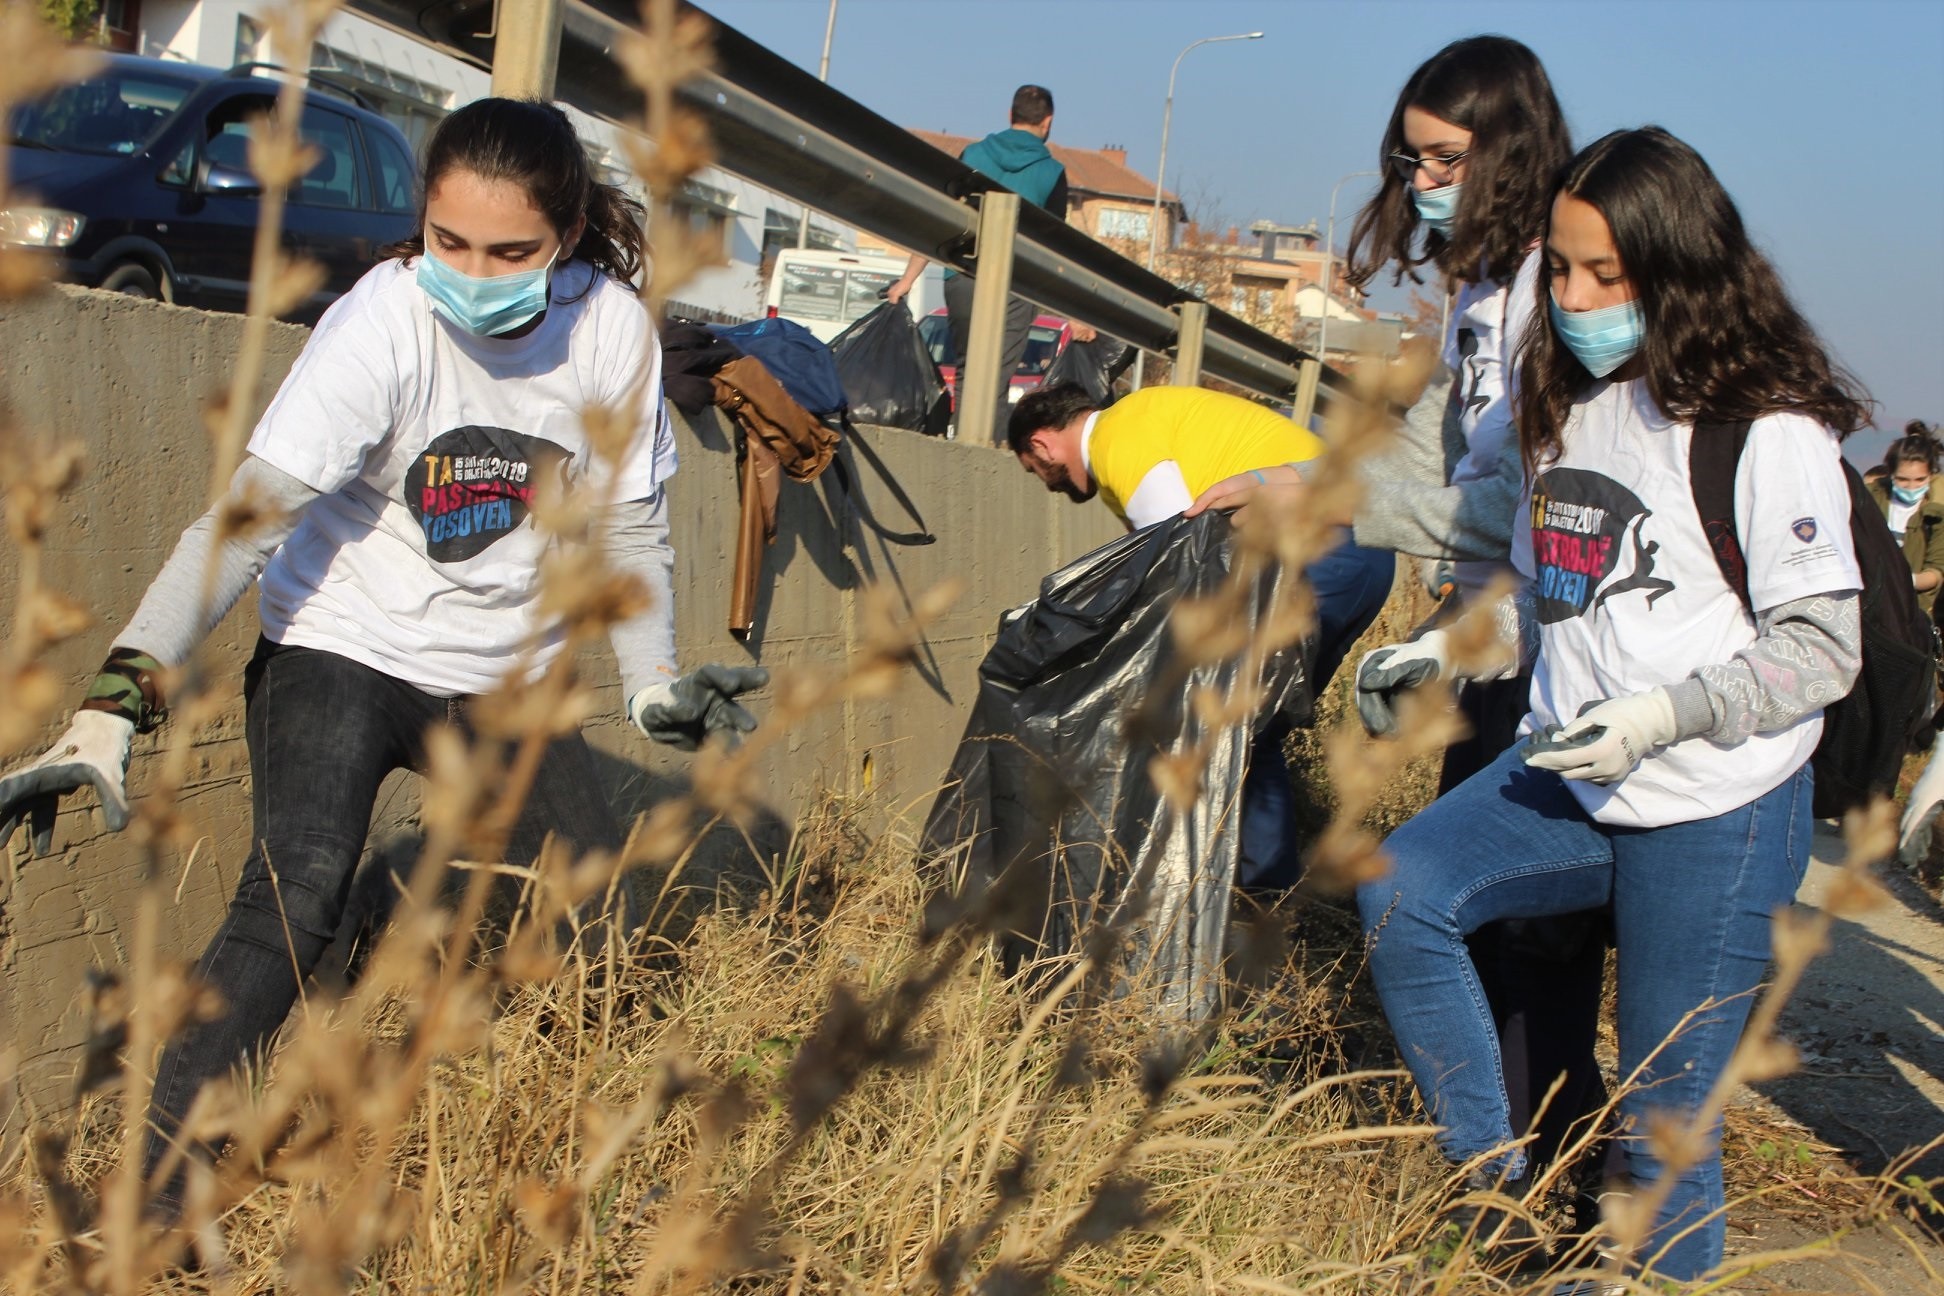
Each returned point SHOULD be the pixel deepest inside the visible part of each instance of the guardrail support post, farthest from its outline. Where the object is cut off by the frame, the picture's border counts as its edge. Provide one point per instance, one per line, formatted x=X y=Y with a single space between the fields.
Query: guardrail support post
x=1307 y=376
x=981 y=387
x=1188 y=344
x=526 y=48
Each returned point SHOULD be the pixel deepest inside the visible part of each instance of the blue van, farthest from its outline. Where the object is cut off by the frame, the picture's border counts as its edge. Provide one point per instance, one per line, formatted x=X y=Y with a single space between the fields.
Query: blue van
x=139 y=179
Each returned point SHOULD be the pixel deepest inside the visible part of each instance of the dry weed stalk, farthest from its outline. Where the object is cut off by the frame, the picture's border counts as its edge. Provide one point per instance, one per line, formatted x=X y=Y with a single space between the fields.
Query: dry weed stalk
x=516 y=1119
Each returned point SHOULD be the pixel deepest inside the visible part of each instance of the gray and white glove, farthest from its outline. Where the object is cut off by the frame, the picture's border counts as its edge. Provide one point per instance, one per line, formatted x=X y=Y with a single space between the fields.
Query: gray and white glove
x=1631 y=728
x=1385 y=673
x=684 y=712
x=1921 y=811
x=92 y=753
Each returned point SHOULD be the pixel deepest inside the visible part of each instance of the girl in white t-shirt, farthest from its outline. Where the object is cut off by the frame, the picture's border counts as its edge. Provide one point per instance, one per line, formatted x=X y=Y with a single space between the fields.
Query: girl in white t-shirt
x=400 y=578
x=1468 y=156
x=1672 y=776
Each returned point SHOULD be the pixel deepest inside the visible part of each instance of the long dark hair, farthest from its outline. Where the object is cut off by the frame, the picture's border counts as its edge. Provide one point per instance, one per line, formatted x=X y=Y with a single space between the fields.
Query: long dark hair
x=532 y=144
x=1721 y=342
x=1495 y=88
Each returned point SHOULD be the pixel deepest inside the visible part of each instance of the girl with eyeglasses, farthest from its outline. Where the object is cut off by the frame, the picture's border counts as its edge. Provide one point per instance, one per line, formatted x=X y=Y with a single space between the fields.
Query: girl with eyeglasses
x=1468 y=156
x=1666 y=768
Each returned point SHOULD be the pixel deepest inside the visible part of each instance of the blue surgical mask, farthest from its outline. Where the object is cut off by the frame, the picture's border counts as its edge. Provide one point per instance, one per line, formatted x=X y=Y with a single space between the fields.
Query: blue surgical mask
x=485 y=307
x=1909 y=494
x=1603 y=339
x=1438 y=208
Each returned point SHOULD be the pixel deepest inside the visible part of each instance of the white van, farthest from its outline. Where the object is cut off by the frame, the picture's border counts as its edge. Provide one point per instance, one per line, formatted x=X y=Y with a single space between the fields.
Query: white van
x=826 y=290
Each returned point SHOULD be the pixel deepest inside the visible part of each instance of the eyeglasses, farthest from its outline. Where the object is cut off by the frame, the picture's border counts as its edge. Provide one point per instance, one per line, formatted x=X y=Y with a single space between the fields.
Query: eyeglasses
x=1438 y=168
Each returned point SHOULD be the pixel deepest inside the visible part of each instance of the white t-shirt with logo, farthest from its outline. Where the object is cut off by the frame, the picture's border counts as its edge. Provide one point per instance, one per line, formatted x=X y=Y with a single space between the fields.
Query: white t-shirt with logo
x=1629 y=597
x=1488 y=319
x=421 y=560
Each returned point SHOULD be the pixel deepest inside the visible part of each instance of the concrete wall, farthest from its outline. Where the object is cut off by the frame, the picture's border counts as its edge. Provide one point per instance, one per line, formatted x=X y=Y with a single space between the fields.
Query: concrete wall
x=128 y=379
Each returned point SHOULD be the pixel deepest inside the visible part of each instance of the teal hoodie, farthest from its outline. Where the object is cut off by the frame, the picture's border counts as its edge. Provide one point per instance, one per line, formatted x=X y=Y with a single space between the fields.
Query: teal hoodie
x=1018 y=160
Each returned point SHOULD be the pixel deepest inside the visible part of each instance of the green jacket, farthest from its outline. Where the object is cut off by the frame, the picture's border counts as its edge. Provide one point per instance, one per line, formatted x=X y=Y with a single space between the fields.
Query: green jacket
x=1923 y=539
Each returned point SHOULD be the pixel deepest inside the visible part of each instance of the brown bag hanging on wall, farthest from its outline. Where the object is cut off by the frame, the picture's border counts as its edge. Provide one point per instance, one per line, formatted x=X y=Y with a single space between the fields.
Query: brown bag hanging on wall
x=778 y=438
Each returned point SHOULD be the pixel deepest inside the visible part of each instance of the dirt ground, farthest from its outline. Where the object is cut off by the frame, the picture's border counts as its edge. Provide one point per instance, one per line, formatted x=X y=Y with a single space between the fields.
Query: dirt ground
x=1869 y=1098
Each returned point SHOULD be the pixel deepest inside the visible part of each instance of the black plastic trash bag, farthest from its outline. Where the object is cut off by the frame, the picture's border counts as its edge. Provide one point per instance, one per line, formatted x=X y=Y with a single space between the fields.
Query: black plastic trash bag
x=1094 y=365
x=888 y=374
x=1052 y=788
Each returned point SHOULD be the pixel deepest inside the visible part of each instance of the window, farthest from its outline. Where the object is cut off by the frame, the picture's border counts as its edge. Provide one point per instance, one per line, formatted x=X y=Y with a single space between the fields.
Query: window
x=397 y=177
x=333 y=182
x=113 y=113
x=1042 y=345
x=249 y=39
x=703 y=222
x=1121 y=223
x=412 y=105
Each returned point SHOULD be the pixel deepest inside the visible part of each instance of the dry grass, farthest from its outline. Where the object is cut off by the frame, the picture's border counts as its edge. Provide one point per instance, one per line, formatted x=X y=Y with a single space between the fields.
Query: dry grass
x=809 y=1089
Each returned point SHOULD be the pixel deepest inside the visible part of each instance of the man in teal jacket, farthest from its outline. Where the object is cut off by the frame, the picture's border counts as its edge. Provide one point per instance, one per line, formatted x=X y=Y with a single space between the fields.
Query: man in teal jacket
x=1017 y=158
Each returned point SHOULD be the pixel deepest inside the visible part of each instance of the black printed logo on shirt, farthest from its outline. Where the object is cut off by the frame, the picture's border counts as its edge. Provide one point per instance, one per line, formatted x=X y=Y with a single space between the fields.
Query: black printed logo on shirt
x=1587 y=545
x=472 y=485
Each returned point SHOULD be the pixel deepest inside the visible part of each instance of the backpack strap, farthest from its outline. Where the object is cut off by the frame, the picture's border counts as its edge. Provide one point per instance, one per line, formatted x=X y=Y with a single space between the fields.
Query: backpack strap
x=1714 y=458
x=922 y=536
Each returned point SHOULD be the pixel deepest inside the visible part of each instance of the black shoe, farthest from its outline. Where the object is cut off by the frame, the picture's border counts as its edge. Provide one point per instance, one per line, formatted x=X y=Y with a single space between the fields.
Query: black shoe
x=1490 y=1220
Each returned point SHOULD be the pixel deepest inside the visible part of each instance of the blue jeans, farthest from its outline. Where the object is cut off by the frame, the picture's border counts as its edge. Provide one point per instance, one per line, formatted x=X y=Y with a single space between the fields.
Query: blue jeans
x=1691 y=904
x=1351 y=583
x=323 y=733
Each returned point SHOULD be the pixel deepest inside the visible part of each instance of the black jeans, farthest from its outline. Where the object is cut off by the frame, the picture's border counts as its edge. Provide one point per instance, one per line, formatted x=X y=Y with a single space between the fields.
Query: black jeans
x=1020 y=314
x=323 y=733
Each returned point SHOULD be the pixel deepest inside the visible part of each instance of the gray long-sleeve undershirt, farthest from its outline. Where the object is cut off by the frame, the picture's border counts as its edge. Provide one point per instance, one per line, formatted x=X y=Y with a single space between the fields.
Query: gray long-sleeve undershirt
x=177 y=612
x=1807 y=654
x=1412 y=506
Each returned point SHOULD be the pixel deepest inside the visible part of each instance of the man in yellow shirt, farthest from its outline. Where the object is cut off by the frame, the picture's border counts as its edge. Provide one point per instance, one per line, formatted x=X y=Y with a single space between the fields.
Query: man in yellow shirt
x=1151 y=453
x=1147 y=457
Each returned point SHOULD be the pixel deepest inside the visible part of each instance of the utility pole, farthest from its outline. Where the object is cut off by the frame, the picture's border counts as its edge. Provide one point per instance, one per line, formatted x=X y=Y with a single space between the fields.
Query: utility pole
x=823 y=74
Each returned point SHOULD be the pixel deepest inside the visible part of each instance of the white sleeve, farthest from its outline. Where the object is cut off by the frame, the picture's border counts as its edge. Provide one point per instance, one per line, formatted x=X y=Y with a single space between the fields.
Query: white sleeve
x=1521 y=547
x=1488 y=416
x=630 y=378
x=1792 y=511
x=1162 y=494
x=341 y=398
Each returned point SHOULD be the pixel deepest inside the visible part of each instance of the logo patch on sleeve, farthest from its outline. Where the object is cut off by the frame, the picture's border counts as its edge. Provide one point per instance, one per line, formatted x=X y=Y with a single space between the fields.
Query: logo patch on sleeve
x=1804 y=529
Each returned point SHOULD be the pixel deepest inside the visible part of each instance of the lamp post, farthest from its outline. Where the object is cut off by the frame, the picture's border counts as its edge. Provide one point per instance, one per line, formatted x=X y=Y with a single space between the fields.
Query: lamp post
x=1329 y=265
x=1161 y=168
x=823 y=74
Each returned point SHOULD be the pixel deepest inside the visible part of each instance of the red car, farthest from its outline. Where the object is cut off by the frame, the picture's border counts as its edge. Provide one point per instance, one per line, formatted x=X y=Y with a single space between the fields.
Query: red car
x=1045 y=340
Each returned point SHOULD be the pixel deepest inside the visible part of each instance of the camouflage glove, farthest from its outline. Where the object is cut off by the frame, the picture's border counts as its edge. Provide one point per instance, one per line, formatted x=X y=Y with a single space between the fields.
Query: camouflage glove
x=684 y=712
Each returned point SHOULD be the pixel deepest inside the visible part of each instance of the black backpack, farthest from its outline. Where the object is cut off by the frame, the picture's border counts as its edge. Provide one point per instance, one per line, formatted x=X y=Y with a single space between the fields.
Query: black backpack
x=1866 y=734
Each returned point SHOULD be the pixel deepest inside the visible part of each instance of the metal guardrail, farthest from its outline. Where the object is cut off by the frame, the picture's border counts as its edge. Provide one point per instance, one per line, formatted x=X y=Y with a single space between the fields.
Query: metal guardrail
x=779 y=127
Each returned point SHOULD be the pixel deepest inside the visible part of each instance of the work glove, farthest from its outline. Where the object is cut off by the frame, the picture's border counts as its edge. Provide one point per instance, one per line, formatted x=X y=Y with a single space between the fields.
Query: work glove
x=1385 y=673
x=683 y=712
x=1920 y=812
x=93 y=752
x=1608 y=739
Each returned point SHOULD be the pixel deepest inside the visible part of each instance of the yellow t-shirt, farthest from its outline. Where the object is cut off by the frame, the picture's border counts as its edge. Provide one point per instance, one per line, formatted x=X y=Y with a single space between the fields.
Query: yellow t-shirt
x=1209 y=435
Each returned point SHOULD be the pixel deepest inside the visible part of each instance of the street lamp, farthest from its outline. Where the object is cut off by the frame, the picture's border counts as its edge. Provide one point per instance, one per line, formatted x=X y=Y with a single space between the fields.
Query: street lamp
x=823 y=74
x=1329 y=266
x=1161 y=168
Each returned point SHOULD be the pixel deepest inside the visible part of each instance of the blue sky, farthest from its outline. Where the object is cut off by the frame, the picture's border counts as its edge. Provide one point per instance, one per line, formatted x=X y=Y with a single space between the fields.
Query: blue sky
x=1824 y=120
